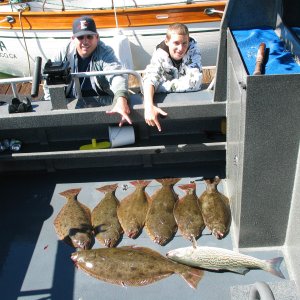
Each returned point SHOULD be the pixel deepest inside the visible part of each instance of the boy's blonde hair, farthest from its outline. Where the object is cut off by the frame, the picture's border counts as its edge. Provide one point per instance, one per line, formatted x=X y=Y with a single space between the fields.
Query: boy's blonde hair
x=177 y=28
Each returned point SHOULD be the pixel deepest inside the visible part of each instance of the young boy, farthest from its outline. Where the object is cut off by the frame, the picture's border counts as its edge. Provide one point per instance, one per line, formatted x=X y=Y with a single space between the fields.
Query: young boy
x=175 y=67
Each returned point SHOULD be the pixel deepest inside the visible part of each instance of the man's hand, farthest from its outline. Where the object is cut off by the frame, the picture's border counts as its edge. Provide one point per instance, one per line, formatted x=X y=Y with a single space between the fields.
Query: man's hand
x=151 y=115
x=123 y=109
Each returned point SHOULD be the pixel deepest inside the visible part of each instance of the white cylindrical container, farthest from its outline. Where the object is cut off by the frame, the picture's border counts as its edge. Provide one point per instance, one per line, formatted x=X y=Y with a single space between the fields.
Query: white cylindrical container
x=121 y=136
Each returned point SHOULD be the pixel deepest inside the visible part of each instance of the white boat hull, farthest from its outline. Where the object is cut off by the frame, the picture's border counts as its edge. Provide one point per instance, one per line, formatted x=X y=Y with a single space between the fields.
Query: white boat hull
x=17 y=51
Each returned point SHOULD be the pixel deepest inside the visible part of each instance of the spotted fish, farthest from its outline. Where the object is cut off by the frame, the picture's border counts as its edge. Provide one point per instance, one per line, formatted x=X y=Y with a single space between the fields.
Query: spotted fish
x=132 y=266
x=213 y=258
x=215 y=209
x=73 y=222
x=133 y=209
x=107 y=228
x=187 y=213
x=160 y=222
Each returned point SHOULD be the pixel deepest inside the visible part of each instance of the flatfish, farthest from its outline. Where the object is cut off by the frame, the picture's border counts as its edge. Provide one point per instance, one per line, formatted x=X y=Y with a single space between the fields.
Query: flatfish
x=133 y=209
x=187 y=213
x=160 y=222
x=213 y=258
x=107 y=228
x=132 y=266
x=215 y=209
x=73 y=222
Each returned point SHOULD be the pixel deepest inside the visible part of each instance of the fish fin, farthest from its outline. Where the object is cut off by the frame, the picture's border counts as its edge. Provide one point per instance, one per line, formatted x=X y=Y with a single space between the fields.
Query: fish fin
x=213 y=181
x=149 y=199
x=239 y=270
x=108 y=188
x=217 y=180
x=274 y=266
x=194 y=242
x=188 y=187
x=70 y=193
x=142 y=183
x=168 y=181
x=193 y=276
x=225 y=199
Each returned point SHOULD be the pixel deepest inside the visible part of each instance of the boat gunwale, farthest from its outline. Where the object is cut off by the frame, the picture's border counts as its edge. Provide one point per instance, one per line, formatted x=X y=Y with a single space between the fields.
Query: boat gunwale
x=126 y=17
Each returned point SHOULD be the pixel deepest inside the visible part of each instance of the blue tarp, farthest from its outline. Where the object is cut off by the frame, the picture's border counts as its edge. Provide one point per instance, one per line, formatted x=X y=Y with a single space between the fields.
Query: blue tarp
x=278 y=59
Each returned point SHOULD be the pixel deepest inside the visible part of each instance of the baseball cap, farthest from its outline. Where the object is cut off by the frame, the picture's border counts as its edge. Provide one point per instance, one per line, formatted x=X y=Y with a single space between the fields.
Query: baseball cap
x=84 y=26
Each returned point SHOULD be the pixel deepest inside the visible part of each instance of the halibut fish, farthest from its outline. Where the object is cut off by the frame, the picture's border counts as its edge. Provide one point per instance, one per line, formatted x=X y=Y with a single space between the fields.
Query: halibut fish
x=160 y=222
x=213 y=258
x=133 y=209
x=132 y=266
x=215 y=209
x=107 y=228
x=73 y=222
x=187 y=213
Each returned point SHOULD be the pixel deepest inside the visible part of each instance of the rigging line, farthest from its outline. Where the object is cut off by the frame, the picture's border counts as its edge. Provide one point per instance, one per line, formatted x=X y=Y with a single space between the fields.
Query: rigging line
x=62 y=5
x=115 y=12
x=21 y=24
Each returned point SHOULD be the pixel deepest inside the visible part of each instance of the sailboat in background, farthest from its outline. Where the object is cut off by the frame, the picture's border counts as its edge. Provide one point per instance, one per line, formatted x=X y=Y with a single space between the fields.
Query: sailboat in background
x=39 y=28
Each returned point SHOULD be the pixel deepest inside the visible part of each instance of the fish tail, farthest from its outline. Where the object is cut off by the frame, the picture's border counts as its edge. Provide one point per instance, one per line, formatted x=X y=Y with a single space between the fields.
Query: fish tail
x=70 y=193
x=140 y=183
x=192 y=277
x=214 y=181
x=108 y=188
x=274 y=266
x=188 y=187
x=217 y=180
x=168 y=181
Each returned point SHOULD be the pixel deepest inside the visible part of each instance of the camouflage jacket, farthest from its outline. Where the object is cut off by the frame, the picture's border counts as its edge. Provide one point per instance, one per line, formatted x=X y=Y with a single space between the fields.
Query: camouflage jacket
x=165 y=77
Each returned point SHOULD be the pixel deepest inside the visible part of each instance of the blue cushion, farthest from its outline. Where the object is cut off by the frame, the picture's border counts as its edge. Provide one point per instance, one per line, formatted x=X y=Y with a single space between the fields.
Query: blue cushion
x=278 y=59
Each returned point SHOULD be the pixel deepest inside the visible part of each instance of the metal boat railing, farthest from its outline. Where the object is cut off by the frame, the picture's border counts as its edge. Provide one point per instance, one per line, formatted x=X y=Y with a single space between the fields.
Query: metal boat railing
x=76 y=76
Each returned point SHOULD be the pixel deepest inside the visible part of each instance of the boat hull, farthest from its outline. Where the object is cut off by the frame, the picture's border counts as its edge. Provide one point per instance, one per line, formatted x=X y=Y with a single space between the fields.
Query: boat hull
x=32 y=34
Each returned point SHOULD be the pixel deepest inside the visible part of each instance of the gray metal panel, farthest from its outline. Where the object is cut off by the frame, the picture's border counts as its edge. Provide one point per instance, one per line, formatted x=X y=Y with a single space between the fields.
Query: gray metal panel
x=235 y=129
x=178 y=107
x=270 y=154
x=249 y=13
x=241 y=14
x=293 y=230
x=53 y=137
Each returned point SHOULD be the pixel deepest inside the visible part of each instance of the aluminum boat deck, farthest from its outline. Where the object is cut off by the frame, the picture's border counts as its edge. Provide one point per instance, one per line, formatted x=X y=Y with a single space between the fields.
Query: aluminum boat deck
x=35 y=265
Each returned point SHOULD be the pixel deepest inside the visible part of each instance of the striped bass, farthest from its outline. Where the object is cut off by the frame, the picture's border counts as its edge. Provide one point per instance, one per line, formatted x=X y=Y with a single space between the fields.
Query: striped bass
x=214 y=258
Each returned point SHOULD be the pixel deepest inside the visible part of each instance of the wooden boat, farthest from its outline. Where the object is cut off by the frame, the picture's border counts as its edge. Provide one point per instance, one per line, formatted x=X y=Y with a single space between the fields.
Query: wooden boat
x=39 y=28
x=258 y=158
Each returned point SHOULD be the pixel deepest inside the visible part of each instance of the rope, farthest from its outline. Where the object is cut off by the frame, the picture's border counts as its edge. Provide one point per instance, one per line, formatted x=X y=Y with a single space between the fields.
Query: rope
x=62 y=5
x=21 y=24
x=115 y=12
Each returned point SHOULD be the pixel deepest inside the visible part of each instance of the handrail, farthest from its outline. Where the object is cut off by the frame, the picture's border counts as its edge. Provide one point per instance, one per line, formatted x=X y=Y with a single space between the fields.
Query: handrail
x=114 y=72
x=13 y=81
x=262 y=290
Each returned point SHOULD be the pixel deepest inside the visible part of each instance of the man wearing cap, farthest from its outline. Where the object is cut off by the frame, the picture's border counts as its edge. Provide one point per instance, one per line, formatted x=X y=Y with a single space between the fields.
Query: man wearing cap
x=85 y=52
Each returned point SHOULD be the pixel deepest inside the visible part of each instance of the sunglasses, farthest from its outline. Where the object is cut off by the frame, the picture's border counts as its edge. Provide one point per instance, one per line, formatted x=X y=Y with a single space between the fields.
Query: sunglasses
x=89 y=37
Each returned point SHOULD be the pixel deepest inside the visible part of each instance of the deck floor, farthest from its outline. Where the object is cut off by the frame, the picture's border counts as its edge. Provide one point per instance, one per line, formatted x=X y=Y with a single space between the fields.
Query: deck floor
x=35 y=265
